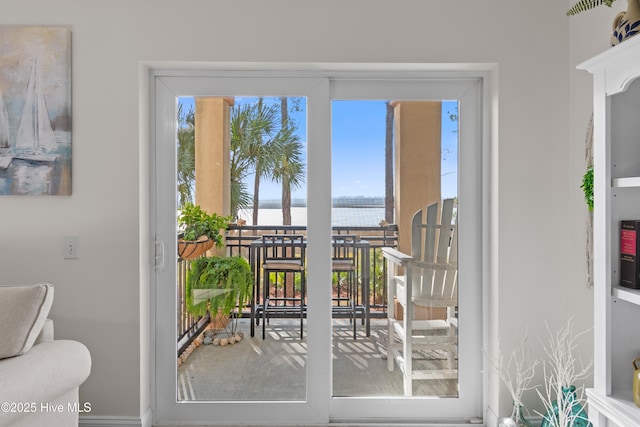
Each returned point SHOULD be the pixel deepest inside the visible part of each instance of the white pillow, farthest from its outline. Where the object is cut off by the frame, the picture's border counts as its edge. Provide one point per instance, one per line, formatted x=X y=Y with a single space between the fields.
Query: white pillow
x=23 y=311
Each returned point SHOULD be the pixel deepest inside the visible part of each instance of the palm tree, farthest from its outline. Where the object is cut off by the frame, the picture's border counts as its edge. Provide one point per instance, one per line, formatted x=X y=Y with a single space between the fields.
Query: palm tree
x=289 y=168
x=252 y=150
x=264 y=150
x=186 y=155
x=388 y=165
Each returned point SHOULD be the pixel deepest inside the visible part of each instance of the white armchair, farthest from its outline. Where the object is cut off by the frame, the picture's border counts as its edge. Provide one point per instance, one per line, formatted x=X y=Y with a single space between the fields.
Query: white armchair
x=40 y=376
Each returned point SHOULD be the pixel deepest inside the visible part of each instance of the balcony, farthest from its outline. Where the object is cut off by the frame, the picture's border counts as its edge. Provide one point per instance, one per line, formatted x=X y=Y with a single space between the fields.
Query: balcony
x=238 y=242
x=274 y=368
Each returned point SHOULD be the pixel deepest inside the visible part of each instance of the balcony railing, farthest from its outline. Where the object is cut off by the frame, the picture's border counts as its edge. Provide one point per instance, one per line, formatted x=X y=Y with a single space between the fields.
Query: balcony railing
x=238 y=242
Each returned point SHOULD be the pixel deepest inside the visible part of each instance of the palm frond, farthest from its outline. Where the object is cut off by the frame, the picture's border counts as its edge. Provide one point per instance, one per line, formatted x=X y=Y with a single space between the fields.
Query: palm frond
x=584 y=5
x=186 y=155
x=240 y=197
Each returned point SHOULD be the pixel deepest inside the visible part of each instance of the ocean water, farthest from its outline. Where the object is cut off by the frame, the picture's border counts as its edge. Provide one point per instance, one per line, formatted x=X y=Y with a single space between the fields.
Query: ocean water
x=369 y=217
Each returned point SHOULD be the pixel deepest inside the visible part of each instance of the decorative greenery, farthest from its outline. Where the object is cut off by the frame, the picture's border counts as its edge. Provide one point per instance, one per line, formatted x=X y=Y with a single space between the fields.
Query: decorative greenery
x=194 y=222
x=186 y=154
x=264 y=145
x=584 y=5
x=228 y=278
x=587 y=187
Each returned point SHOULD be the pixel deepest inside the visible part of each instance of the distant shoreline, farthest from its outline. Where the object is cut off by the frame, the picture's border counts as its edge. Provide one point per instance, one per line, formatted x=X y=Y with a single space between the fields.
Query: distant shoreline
x=361 y=216
x=338 y=202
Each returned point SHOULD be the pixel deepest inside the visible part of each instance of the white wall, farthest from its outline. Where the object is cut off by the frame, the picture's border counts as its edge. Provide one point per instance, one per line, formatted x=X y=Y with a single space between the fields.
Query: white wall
x=101 y=298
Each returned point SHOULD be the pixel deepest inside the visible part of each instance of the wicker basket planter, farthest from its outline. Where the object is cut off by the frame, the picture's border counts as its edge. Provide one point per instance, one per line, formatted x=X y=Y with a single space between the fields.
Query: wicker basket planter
x=191 y=249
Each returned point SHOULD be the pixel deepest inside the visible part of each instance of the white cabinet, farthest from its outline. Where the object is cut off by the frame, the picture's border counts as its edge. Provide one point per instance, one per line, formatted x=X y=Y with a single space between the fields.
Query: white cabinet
x=616 y=92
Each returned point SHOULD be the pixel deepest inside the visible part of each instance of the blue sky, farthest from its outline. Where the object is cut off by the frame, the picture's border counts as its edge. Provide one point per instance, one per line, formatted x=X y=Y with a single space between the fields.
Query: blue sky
x=358 y=139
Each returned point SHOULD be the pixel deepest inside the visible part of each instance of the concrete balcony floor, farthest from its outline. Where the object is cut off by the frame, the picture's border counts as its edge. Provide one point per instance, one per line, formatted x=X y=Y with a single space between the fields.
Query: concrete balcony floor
x=274 y=368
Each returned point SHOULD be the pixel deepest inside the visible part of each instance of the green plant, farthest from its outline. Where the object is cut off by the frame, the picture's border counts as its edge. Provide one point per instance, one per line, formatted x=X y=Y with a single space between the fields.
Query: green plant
x=583 y=5
x=377 y=273
x=218 y=284
x=195 y=222
x=587 y=187
x=186 y=154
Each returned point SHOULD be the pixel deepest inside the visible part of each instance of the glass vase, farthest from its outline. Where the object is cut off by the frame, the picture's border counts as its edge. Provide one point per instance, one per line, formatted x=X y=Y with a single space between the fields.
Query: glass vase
x=578 y=414
x=516 y=419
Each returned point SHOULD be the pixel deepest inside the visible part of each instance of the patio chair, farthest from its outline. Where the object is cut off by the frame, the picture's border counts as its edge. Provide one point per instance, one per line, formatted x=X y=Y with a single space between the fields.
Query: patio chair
x=429 y=279
x=343 y=266
x=283 y=254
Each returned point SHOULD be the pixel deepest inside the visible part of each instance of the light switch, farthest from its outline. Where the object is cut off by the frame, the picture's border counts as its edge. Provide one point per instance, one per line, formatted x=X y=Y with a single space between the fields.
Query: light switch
x=70 y=248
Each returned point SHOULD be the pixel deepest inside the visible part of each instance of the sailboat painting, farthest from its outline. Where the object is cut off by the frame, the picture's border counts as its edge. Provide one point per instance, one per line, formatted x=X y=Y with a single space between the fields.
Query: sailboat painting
x=35 y=110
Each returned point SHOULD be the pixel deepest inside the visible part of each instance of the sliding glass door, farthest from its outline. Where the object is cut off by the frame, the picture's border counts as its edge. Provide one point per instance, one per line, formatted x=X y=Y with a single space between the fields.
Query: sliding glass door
x=351 y=164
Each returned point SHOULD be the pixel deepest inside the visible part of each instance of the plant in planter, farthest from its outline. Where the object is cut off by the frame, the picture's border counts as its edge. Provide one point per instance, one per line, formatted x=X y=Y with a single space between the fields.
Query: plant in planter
x=625 y=25
x=219 y=285
x=583 y=5
x=199 y=231
x=587 y=187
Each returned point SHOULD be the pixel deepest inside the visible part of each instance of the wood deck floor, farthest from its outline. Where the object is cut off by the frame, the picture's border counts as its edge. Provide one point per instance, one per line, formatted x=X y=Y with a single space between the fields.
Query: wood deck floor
x=274 y=368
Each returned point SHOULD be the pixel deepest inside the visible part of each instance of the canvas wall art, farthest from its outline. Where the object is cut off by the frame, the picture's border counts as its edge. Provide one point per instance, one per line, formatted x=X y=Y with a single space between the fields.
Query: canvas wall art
x=35 y=110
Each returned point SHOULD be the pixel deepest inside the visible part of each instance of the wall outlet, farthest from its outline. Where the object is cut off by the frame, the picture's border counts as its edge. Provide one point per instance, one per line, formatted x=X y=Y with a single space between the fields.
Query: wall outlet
x=70 y=248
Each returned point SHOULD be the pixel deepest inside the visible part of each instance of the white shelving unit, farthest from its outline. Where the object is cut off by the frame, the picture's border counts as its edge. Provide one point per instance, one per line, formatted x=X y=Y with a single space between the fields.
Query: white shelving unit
x=616 y=92
x=629 y=182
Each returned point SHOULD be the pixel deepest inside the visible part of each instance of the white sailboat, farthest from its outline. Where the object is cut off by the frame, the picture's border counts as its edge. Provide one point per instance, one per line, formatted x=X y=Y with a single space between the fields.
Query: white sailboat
x=35 y=134
x=5 y=160
x=4 y=124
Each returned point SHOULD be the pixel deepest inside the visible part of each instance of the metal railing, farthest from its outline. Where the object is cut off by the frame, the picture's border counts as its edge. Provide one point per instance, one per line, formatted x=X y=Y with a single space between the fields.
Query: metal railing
x=189 y=326
x=238 y=241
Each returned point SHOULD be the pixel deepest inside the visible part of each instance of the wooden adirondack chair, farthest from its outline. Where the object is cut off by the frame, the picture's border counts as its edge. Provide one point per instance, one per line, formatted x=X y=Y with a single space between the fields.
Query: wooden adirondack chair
x=432 y=272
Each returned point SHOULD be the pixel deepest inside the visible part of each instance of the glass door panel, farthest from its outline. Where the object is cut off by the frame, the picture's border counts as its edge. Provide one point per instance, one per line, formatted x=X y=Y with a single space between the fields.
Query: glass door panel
x=257 y=380
x=432 y=131
x=243 y=157
x=378 y=147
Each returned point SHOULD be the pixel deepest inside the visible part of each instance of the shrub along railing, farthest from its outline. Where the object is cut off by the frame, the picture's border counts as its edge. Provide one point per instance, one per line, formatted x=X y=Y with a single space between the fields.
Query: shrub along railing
x=238 y=241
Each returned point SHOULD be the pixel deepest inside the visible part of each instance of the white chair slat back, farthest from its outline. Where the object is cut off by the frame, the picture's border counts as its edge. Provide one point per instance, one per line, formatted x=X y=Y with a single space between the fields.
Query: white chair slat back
x=435 y=242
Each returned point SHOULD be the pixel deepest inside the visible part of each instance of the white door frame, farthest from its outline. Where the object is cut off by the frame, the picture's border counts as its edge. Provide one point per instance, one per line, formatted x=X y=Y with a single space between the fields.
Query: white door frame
x=320 y=87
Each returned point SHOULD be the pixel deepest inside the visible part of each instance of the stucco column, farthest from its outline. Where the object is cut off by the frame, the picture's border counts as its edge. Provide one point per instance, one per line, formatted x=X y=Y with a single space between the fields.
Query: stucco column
x=213 y=136
x=418 y=161
x=212 y=151
x=417 y=173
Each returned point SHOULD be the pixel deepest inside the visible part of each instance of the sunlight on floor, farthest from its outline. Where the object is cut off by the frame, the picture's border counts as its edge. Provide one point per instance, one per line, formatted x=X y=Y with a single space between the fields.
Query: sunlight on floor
x=274 y=369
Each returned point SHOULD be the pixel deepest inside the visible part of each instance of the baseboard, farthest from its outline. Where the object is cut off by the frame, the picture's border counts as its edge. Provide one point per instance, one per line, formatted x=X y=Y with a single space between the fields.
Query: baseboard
x=97 y=421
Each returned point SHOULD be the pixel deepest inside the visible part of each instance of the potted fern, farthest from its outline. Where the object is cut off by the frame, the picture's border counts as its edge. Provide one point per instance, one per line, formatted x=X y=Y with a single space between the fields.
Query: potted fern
x=199 y=231
x=219 y=285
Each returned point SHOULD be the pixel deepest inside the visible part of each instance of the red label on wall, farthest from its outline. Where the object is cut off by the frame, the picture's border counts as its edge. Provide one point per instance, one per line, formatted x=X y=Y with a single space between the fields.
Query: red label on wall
x=628 y=242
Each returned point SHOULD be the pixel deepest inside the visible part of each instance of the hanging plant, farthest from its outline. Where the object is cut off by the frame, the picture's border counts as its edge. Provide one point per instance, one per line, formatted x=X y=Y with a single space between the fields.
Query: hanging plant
x=199 y=231
x=194 y=222
x=587 y=187
x=218 y=284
